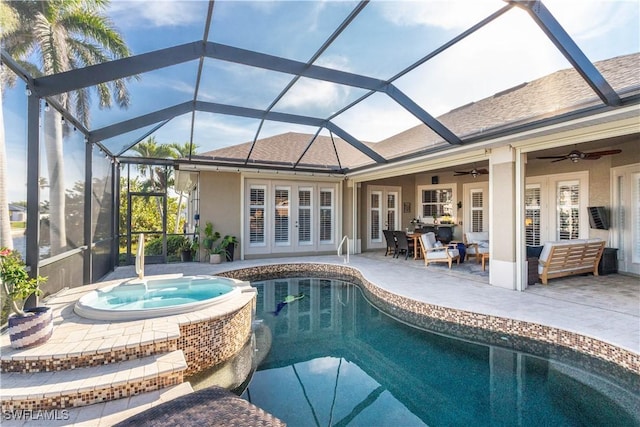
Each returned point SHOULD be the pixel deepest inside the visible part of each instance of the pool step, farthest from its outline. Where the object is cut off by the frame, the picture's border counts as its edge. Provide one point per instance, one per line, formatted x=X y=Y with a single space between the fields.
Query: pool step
x=75 y=346
x=103 y=414
x=85 y=386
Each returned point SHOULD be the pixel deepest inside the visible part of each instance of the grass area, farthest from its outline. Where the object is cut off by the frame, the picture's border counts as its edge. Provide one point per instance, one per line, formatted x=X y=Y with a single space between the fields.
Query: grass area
x=18 y=225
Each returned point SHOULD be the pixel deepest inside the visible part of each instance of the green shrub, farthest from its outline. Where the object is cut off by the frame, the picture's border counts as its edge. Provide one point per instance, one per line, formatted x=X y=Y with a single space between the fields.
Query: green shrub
x=174 y=245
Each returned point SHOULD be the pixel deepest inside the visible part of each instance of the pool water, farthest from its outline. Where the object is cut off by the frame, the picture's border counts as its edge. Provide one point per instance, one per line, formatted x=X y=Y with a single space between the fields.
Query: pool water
x=336 y=360
x=160 y=293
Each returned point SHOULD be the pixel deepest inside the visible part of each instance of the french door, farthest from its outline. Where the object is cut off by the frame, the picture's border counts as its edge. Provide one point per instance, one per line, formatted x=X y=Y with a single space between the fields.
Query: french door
x=383 y=213
x=290 y=217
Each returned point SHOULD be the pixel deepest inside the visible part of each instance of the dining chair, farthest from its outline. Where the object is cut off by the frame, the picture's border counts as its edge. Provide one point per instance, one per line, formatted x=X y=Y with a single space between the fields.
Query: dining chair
x=392 y=246
x=404 y=244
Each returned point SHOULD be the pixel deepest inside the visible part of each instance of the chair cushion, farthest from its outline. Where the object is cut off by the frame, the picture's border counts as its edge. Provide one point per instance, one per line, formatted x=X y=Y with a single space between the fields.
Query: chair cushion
x=443 y=254
x=428 y=240
x=477 y=237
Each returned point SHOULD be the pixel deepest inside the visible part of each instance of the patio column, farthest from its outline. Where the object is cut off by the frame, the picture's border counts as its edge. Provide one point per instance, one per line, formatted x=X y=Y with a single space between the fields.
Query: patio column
x=503 y=184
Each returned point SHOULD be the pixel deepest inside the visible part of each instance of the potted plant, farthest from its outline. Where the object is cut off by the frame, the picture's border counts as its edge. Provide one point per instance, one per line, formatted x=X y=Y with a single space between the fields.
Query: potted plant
x=230 y=243
x=210 y=236
x=27 y=327
x=186 y=250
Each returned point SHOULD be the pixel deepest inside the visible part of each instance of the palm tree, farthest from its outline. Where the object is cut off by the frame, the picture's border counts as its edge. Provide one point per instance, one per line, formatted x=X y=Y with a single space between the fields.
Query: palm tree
x=62 y=35
x=8 y=23
x=156 y=176
x=182 y=151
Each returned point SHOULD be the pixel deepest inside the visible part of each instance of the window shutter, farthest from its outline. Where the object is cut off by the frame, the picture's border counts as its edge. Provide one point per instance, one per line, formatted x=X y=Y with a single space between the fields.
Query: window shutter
x=326 y=216
x=256 y=214
x=532 y=215
x=304 y=216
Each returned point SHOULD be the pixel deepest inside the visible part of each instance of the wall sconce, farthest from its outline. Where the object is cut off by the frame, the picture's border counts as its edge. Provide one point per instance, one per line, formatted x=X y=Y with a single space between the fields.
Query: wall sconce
x=27 y=91
x=459 y=205
x=46 y=106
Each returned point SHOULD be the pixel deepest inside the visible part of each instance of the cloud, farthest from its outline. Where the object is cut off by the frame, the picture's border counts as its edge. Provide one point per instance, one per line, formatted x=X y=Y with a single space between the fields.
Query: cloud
x=158 y=13
x=448 y=15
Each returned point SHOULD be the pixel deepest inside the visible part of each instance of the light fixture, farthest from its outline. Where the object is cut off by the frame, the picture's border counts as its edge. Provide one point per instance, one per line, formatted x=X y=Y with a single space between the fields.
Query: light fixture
x=46 y=106
x=474 y=173
x=27 y=91
x=62 y=119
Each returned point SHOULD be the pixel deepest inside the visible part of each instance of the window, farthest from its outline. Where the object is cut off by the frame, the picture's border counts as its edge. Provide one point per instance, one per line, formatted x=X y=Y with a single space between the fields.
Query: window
x=281 y=215
x=256 y=214
x=392 y=210
x=437 y=202
x=304 y=216
x=477 y=210
x=532 y=214
x=326 y=215
x=568 y=210
x=375 y=213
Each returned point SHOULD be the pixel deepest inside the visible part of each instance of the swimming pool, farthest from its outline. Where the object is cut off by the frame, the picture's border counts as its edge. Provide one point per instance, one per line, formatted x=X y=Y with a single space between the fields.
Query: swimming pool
x=335 y=359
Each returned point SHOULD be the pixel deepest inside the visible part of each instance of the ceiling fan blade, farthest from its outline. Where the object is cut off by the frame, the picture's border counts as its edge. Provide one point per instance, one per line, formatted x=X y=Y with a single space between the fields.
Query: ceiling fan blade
x=603 y=153
x=591 y=156
x=483 y=171
x=458 y=173
x=552 y=157
x=559 y=160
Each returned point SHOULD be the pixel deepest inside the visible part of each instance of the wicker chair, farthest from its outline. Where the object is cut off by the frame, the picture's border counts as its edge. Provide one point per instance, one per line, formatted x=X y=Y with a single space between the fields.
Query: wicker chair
x=392 y=245
x=404 y=245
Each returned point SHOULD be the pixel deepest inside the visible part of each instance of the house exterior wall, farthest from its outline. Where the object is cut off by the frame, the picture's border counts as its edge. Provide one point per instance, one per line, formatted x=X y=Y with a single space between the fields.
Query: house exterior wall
x=220 y=203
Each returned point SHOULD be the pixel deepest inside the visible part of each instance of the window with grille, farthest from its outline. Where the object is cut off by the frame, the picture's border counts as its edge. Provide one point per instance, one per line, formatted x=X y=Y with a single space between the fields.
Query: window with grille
x=256 y=214
x=375 y=211
x=326 y=215
x=304 y=216
x=568 y=211
x=281 y=216
x=392 y=210
x=438 y=202
x=532 y=215
x=477 y=210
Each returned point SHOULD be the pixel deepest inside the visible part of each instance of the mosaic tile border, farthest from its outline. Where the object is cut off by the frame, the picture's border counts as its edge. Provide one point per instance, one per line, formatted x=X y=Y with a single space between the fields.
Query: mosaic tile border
x=90 y=360
x=466 y=324
x=215 y=340
x=90 y=397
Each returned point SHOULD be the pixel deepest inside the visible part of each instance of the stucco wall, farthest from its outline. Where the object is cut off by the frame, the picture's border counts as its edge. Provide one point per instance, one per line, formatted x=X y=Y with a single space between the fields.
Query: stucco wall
x=220 y=203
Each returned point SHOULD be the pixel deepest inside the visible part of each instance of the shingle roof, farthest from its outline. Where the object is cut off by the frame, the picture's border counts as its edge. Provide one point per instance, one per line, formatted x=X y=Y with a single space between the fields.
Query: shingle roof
x=548 y=96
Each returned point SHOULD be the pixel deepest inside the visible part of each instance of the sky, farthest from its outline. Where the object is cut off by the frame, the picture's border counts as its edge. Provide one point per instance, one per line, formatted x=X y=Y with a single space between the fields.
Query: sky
x=385 y=38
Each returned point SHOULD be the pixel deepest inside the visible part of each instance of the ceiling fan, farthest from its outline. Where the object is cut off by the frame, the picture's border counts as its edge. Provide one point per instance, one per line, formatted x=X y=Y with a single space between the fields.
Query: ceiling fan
x=473 y=172
x=576 y=155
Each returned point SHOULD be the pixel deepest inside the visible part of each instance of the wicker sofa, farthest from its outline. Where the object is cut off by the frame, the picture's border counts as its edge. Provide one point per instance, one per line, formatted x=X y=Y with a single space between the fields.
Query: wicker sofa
x=568 y=257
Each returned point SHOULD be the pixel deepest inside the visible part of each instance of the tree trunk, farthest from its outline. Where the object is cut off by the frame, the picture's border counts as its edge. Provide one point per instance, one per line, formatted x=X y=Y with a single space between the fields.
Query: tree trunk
x=5 y=225
x=176 y=228
x=55 y=166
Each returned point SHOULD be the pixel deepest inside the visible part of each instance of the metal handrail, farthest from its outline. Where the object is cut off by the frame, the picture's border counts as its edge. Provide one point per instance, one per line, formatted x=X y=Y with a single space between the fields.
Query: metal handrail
x=345 y=238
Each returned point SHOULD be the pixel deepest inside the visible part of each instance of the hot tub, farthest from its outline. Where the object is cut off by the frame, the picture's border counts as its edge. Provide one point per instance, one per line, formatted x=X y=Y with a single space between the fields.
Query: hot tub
x=157 y=296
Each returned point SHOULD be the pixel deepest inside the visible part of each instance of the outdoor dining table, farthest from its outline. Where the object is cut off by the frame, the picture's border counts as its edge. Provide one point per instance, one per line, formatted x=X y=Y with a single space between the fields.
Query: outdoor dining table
x=415 y=236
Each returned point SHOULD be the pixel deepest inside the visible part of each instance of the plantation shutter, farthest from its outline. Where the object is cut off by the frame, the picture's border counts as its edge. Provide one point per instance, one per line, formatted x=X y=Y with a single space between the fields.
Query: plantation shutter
x=392 y=210
x=568 y=210
x=477 y=210
x=326 y=216
x=281 y=216
x=304 y=216
x=532 y=215
x=375 y=212
x=256 y=214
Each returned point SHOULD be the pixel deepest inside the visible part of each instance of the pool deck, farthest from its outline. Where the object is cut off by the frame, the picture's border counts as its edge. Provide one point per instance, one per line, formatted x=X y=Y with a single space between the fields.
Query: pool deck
x=606 y=308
